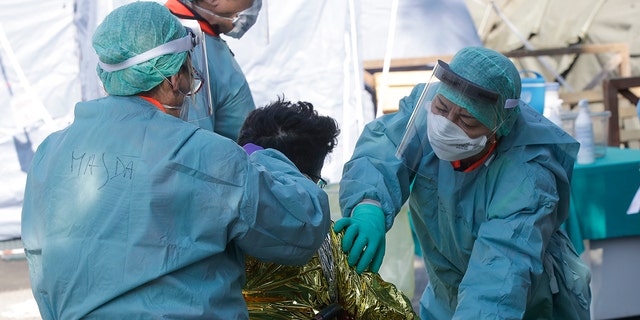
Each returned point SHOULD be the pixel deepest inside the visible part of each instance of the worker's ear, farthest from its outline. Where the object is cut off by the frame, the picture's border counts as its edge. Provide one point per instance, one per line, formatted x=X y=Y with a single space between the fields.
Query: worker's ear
x=174 y=81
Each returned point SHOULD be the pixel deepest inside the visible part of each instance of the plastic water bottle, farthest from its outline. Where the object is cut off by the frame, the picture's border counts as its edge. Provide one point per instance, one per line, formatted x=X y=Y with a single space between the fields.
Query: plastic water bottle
x=551 y=93
x=554 y=114
x=584 y=133
x=552 y=103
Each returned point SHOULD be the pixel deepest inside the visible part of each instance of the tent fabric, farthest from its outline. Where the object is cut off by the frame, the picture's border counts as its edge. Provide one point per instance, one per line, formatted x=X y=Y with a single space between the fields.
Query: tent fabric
x=40 y=78
x=317 y=61
x=558 y=24
x=305 y=51
x=309 y=51
x=423 y=28
x=313 y=51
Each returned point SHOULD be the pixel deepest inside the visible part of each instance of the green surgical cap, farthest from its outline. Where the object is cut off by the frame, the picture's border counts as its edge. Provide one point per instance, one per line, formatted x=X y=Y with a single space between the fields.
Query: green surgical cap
x=490 y=70
x=129 y=31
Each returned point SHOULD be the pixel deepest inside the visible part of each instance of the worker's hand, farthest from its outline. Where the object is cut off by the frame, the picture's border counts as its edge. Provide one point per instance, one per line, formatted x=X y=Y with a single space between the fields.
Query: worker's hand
x=364 y=237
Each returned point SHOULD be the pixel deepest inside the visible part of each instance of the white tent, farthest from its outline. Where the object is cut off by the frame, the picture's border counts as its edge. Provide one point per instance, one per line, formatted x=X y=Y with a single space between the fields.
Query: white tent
x=40 y=76
x=314 y=50
x=310 y=51
x=306 y=50
x=506 y=25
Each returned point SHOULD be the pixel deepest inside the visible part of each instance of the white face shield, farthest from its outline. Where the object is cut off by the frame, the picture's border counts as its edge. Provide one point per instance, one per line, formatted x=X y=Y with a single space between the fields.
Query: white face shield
x=415 y=142
x=198 y=106
x=183 y=44
x=198 y=96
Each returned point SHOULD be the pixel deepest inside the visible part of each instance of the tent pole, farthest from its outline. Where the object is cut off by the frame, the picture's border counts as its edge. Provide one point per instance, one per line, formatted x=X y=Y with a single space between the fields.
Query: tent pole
x=387 y=55
x=529 y=46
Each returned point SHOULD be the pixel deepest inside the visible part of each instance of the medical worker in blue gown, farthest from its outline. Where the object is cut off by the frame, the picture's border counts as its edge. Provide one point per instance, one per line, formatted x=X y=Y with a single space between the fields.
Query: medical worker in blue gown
x=487 y=179
x=231 y=99
x=132 y=213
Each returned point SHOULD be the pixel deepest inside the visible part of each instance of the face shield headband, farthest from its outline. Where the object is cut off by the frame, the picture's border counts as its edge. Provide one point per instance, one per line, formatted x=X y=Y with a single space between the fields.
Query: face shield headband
x=443 y=72
x=415 y=142
x=183 y=44
x=196 y=107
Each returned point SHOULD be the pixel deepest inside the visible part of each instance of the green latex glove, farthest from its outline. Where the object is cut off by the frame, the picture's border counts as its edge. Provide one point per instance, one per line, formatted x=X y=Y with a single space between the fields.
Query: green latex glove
x=363 y=238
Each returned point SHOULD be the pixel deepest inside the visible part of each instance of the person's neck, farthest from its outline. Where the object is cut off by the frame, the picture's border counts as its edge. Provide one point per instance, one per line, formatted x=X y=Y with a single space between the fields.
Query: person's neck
x=162 y=96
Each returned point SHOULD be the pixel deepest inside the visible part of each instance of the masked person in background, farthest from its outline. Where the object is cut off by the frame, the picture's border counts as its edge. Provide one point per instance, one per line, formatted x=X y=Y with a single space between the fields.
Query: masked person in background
x=133 y=213
x=487 y=179
x=229 y=17
x=326 y=285
x=230 y=95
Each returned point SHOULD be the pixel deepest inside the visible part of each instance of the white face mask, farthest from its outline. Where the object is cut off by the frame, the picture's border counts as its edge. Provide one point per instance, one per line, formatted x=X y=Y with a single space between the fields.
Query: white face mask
x=450 y=142
x=241 y=24
x=245 y=20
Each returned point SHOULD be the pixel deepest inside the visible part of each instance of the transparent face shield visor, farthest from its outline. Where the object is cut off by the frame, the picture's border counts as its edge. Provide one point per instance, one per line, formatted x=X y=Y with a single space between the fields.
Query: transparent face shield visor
x=197 y=105
x=197 y=102
x=415 y=142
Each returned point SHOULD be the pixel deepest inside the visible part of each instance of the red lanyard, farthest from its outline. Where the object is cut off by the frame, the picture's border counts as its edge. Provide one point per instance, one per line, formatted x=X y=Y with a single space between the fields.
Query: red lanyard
x=456 y=164
x=155 y=103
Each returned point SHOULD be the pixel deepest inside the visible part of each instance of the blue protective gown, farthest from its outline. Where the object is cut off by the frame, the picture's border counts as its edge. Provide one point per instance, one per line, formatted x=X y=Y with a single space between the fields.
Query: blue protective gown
x=491 y=237
x=130 y=213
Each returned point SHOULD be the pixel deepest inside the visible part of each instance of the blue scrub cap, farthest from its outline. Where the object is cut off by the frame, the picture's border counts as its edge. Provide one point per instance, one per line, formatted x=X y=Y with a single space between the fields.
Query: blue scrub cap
x=492 y=71
x=129 y=31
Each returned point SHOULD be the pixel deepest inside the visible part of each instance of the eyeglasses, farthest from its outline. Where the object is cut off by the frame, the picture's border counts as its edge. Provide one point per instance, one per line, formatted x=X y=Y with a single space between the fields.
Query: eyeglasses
x=319 y=181
x=196 y=82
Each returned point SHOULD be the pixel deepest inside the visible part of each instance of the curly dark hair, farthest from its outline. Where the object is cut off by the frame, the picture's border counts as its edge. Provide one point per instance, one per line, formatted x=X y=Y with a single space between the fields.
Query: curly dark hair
x=296 y=130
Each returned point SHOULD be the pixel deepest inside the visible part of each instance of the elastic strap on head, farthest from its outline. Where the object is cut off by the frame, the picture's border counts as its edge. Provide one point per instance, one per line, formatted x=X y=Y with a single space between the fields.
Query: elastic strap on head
x=452 y=79
x=511 y=103
x=183 y=44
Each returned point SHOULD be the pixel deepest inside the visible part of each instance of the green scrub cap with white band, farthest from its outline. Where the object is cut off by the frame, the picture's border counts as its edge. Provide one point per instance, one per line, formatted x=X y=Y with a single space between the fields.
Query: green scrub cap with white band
x=137 y=44
x=494 y=72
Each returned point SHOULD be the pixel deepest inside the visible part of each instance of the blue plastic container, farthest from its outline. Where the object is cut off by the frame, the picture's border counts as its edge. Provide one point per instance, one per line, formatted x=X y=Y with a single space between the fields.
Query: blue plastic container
x=533 y=87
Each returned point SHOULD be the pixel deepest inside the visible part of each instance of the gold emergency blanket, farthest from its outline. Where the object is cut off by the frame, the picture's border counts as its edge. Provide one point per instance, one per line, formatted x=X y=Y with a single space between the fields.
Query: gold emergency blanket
x=275 y=291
